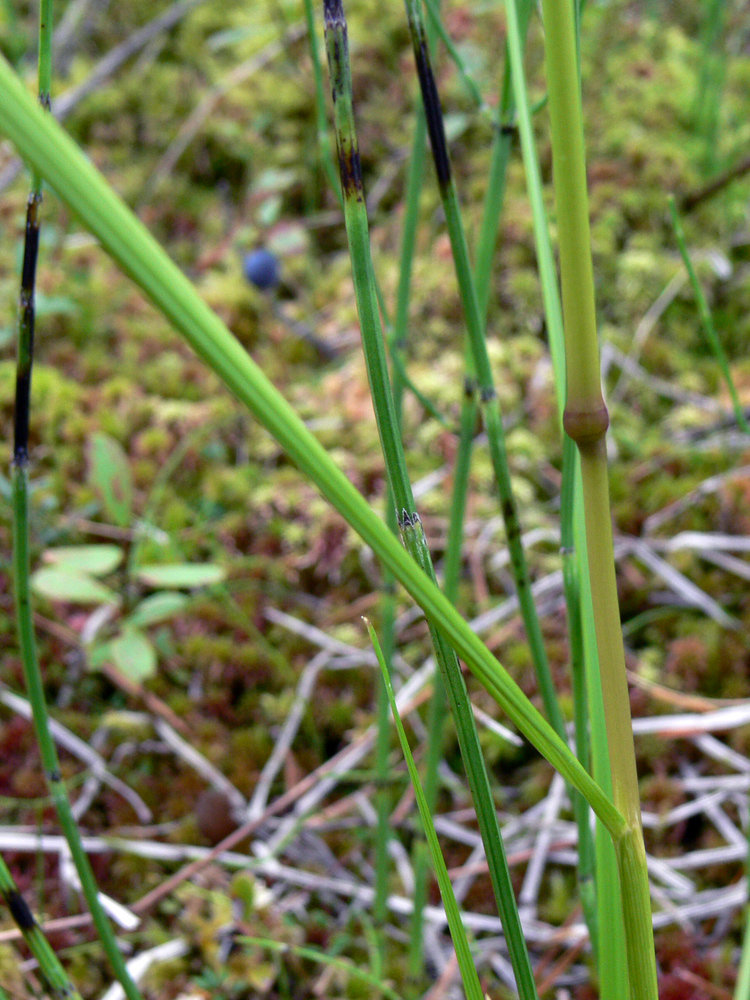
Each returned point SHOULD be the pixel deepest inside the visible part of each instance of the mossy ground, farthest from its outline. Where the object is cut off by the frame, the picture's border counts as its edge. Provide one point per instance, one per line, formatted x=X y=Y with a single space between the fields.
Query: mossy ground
x=106 y=361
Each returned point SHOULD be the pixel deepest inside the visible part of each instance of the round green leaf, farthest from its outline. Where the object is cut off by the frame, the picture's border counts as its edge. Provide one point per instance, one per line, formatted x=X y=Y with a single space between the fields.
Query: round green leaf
x=157 y=608
x=181 y=575
x=134 y=655
x=60 y=584
x=97 y=560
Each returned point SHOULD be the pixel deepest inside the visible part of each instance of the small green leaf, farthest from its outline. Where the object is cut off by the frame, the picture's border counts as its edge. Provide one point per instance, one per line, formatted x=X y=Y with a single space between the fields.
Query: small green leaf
x=97 y=560
x=157 y=608
x=99 y=655
x=109 y=474
x=134 y=655
x=55 y=305
x=181 y=575
x=75 y=588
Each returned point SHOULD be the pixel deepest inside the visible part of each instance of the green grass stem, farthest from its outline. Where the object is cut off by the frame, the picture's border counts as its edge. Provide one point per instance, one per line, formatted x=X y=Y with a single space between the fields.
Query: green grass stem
x=396 y=349
x=42 y=143
x=587 y=699
x=489 y=405
x=412 y=532
x=322 y=958
x=21 y=559
x=502 y=140
x=469 y=975
x=47 y=749
x=52 y=972
x=586 y=421
x=433 y=12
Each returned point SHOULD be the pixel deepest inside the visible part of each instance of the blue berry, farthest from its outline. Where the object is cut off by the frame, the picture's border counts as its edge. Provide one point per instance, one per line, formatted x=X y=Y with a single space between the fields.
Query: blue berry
x=261 y=269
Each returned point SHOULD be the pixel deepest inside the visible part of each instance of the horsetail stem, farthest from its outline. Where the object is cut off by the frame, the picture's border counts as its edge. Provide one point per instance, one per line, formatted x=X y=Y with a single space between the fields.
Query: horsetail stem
x=488 y=401
x=21 y=559
x=50 y=968
x=410 y=525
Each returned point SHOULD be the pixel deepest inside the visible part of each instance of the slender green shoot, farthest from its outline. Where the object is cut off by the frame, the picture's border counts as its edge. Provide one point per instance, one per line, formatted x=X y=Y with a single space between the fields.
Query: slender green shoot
x=21 y=559
x=382 y=798
x=433 y=12
x=396 y=351
x=314 y=955
x=707 y=321
x=489 y=404
x=412 y=532
x=502 y=140
x=458 y=932
x=324 y=142
x=52 y=972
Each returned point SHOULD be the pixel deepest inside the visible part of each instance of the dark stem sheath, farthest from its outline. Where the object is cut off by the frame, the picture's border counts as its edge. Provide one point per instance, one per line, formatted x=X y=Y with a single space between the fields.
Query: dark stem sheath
x=431 y=101
x=26 y=332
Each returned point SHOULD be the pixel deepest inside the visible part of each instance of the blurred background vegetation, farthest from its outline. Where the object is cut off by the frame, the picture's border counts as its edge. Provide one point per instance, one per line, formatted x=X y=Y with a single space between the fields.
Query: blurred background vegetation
x=209 y=131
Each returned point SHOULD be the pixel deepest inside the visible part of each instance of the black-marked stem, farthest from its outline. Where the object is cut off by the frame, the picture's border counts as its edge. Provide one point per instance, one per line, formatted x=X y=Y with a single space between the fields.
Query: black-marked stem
x=412 y=532
x=21 y=559
x=489 y=405
x=321 y=120
x=52 y=972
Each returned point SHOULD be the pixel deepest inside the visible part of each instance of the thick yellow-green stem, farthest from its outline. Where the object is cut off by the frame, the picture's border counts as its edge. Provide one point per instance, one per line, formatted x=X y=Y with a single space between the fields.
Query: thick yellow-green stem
x=608 y=629
x=586 y=420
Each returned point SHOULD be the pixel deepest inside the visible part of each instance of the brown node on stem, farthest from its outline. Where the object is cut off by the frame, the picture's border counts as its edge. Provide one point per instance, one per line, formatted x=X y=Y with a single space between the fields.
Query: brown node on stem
x=586 y=426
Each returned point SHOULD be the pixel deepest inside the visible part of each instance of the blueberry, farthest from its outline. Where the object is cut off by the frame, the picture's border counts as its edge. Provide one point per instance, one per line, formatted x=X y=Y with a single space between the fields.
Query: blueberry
x=261 y=269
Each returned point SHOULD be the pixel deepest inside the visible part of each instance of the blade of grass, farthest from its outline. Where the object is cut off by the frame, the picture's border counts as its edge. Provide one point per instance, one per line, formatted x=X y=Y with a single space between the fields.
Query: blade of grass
x=433 y=12
x=469 y=975
x=438 y=705
x=41 y=141
x=501 y=145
